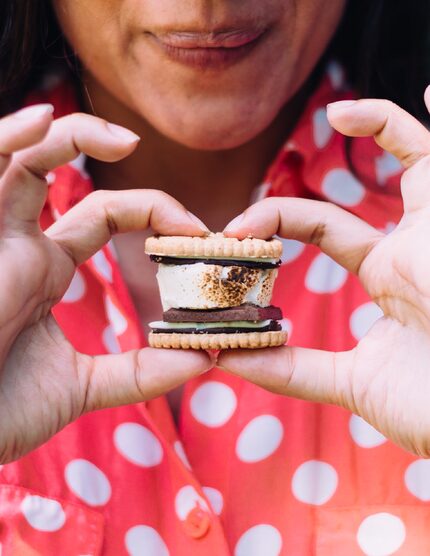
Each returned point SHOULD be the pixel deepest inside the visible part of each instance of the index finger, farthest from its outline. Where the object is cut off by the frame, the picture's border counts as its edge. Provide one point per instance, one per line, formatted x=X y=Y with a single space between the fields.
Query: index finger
x=341 y=235
x=394 y=129
x=87 y=226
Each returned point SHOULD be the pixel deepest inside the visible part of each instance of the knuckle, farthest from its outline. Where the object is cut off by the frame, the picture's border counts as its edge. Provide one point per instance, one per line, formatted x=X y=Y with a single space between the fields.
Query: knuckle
x=317 y=233
x=159 y=196
x=102 y=206
x=95 y=204
x=17 y=173
x=20 y=171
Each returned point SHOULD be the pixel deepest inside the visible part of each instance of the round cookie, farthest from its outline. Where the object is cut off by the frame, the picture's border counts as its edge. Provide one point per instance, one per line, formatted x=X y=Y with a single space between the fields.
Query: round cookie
x=213 y=245
x=246 y=340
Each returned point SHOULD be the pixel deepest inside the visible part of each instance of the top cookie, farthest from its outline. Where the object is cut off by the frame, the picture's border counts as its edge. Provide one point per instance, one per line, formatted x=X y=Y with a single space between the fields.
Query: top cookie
x=213 y=245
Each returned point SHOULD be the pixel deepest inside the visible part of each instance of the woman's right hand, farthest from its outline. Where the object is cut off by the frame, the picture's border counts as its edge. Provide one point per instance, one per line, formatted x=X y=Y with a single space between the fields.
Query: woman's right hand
x=44 y=383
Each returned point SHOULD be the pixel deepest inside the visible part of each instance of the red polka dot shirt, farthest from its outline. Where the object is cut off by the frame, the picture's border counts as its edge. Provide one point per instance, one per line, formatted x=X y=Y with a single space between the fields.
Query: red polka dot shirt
x=246 y=472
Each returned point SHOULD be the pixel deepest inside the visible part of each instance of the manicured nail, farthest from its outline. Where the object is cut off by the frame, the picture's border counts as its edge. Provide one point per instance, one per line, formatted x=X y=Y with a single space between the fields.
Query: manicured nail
x=123 y=133
x=197 y=221
x=35 y=111
x=340 y=104
x=235 y=223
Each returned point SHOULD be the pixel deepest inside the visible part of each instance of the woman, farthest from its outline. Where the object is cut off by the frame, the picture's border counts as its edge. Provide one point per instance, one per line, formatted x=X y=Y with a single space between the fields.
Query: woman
x=215 y=89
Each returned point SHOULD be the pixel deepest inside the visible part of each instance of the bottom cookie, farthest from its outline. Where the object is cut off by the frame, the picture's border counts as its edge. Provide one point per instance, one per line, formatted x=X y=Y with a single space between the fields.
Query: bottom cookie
x=247 y=340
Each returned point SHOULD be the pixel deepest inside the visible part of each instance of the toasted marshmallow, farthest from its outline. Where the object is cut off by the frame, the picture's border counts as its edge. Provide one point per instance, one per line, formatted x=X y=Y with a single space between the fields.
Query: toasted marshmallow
x=206 y=286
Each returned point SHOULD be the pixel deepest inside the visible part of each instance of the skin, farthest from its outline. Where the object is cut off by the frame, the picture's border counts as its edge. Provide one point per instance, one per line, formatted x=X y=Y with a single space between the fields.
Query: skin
x=385 y=378
x=187 y=148
x=36 y=359
x=135 y=78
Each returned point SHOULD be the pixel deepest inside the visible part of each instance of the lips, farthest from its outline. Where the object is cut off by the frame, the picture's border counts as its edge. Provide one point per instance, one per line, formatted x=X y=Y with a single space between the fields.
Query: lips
x=208 y=50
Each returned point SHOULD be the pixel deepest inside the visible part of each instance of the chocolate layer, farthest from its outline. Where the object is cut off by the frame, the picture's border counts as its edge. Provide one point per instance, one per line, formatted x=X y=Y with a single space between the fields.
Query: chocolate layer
x=246 y=311
x=272 y=327
x=220 y=262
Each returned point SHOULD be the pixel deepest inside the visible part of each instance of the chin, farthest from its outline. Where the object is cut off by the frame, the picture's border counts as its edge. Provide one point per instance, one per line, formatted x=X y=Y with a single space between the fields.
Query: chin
x=213 y=138
x=226 y=127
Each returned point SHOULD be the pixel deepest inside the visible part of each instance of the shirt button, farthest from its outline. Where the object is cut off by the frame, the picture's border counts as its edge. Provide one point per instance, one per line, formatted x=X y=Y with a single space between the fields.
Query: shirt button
x=197 y=523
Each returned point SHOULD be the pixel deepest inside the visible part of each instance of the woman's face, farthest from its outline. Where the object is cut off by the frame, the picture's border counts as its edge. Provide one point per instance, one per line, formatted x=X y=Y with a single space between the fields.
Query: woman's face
x=210 y=74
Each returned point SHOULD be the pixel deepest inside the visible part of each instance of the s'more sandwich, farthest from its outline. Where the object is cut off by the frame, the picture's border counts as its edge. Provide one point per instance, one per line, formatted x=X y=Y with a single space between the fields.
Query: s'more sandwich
x=216 y=292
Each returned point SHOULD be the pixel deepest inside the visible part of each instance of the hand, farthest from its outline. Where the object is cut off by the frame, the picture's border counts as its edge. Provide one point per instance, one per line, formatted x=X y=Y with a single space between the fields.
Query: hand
x=44 y=383
x=386 y=378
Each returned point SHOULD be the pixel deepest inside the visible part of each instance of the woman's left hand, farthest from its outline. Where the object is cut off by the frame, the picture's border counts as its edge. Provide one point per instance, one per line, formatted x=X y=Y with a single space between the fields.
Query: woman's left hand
x=386 y=378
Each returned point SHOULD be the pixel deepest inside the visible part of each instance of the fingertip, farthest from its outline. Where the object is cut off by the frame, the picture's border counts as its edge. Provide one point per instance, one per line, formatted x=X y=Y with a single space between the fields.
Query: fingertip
x=240 y=228
x=234 y=225
x=126 y=136
x=194 y=361
x=201 y=226
x=35 y=112
x=427 y=97
x=125 y=142
x=233 y=359
x=339 y=106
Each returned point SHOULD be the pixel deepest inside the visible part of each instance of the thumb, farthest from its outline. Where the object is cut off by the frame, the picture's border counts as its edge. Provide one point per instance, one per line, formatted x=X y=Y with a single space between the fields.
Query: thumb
x=138 y=375
x=309 y=374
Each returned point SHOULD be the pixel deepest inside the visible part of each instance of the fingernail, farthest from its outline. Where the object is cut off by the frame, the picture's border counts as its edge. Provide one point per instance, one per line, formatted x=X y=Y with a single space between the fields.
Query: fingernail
x=340 y=104
x=35 y=111
x=235 y=223
x=197 y=221
x=123 y=133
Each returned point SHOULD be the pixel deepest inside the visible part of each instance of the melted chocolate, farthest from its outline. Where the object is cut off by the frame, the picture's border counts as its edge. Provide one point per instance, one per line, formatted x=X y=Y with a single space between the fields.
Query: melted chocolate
x=220 y=262
x=273 y=326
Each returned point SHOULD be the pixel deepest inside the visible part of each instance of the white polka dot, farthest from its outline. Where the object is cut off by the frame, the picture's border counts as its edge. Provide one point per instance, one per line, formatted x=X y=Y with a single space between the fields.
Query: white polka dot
x=186 y=500
x=87 y=482
x=364 y=434
x=259 y=439
x=102 y=265
x=287 y=325
x=144 y=540
x=76 y=289
x=325 y=275
x=386 y=166
x=43 y=514
x=417 y=479
x=363 y=318
x=321 y=128
x=388 y=227
x=336 y=75
x=111 y=246
x=55 y=214
x=116 y=318
x=79 y=165
x=291 y=249
x=50 y=178
x=341 y=187
x=381 y=534
x=138 y=444
x=213 y=403
x=180 y=451
x=260 y=540
x=215 y=499
x=110 y=341
x=314 y=482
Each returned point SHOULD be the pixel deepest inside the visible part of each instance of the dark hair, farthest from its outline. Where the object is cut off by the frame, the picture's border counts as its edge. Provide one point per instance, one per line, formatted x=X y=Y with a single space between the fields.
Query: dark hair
x=384 y=46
